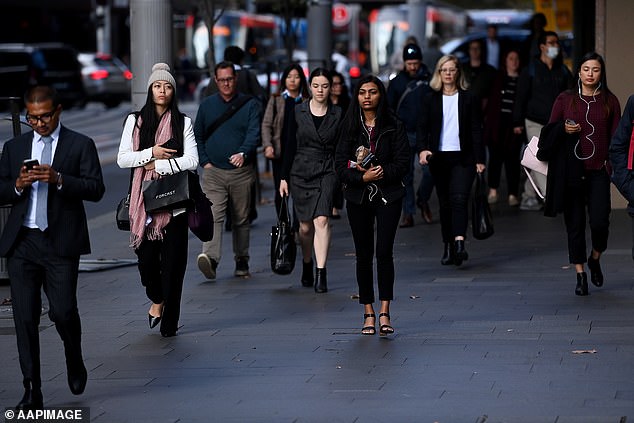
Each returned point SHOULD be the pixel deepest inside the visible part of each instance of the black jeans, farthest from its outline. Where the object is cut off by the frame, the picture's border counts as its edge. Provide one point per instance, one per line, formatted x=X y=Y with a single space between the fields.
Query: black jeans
x=362 y=220
x=594 y=193
x=507 y=153
x=453 y=186
x=162 y=265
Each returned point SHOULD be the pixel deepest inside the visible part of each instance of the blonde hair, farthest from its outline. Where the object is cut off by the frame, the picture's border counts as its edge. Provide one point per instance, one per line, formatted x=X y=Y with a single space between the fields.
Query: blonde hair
x=436 y=81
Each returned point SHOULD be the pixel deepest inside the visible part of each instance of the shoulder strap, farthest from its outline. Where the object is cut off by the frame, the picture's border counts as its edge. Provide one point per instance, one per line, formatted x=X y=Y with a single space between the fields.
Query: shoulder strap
x=234 y=106
x=410 y=87
x=630 y=153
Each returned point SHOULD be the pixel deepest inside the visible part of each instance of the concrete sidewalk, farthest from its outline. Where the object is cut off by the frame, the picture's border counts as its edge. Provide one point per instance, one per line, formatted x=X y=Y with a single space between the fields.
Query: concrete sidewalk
x=502 y=338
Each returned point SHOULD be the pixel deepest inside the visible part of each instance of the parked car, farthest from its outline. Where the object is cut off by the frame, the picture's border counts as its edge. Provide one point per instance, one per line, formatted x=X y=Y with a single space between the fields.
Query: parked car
x=54 y=64
x=106 y=78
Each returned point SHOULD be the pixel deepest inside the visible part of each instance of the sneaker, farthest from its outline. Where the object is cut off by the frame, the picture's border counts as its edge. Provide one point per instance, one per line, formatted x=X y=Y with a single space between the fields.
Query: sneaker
x=207 y=266
x=513 y=201
x=242 y=268
x=530 y=204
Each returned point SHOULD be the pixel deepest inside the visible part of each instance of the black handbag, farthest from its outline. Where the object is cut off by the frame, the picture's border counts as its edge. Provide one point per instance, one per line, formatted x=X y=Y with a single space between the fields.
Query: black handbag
x=123 y=209
x=481 y=213
x=283 y=248
x=200 y=218
x=170 y=192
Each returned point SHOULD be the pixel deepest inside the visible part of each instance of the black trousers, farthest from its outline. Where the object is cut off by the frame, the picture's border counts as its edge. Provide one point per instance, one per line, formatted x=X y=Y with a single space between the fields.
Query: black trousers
x=594 y=193
x=363 y=220
x=32 y=266
x=507 y=153
x=453 y=187
x=162 y=265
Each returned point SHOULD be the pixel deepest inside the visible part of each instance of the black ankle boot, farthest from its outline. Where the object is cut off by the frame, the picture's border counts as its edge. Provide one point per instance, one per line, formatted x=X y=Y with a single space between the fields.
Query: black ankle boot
x=307 y=274
x=596 y=275
x=321 y=282
x=582 y=284
x=460 y=253
x=448 y=255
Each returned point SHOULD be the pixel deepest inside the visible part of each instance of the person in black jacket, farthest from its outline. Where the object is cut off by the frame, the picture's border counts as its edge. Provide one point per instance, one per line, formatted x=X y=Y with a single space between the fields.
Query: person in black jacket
x=621 y=156
x=450 y=130
x=371 y=160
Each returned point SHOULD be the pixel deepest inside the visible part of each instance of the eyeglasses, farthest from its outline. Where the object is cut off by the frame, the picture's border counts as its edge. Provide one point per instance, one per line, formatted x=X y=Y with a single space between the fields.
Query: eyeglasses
x=448 y=70
x=225 y=80
x=44 y=118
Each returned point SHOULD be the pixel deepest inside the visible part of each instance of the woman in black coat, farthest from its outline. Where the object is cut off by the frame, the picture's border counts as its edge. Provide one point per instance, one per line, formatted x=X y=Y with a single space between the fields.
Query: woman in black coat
x=450 y=130
x=371 y=160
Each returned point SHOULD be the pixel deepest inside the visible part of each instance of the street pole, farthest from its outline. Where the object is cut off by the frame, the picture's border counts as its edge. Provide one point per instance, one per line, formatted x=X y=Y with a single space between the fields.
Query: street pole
x=319 y=19
x=417 y=19
x=150 y=42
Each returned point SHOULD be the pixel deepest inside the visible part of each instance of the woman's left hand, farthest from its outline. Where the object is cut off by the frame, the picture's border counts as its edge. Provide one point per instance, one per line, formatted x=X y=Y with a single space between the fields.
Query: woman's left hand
x=373 y=174
x=480 y=167
x=149 y=166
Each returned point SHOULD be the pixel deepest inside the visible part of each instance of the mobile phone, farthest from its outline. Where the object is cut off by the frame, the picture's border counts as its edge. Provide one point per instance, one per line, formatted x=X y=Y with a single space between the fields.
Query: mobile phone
x=29 y=163
x=570 y=122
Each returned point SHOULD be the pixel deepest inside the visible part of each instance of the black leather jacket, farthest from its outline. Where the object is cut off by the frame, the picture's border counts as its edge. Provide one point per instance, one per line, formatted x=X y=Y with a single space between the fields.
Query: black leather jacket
x=392 y=153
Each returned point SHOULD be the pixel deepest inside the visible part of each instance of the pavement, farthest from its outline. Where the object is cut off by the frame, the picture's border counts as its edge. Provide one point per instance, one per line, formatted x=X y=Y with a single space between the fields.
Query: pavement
x=501 y=338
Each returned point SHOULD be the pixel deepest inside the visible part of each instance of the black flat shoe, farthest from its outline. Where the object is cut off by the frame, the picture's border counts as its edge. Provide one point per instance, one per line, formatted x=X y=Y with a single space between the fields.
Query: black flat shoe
x=31 y=400
x=582 y=284
x=368 y=330
x=385 y=330
x=77 y=377
x=596 y=275
x=153 y=321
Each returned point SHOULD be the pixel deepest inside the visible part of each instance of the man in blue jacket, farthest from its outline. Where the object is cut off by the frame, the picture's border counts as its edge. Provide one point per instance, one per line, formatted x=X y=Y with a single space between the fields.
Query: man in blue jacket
x=225 y=151
x=405 y=96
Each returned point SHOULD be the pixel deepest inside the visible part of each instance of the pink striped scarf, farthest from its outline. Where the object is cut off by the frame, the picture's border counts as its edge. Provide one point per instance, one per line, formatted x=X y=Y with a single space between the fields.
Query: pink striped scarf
x=139 y=228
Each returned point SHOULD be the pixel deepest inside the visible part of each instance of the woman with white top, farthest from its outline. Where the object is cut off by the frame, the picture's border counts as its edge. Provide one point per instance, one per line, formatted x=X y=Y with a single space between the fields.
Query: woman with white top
x=449 y=139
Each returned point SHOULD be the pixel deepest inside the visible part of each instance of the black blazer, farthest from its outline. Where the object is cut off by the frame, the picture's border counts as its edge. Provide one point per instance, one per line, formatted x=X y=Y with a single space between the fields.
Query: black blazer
x=77 y=160
x=469 y=122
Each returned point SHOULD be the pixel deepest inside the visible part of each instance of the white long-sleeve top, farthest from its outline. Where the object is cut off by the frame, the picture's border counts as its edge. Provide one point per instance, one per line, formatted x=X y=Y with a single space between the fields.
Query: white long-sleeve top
x=127 y=157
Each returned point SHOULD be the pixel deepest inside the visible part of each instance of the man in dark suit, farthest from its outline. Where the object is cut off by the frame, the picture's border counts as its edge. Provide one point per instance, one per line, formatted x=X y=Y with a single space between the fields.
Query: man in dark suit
x=46 y=232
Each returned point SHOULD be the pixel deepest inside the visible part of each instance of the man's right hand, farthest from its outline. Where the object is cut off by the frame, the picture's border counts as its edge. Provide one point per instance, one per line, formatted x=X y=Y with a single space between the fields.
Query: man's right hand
x=283 y=188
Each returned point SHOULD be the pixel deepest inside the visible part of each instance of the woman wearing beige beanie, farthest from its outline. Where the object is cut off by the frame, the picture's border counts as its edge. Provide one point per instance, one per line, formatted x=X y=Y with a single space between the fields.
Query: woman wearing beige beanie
x=159 y=239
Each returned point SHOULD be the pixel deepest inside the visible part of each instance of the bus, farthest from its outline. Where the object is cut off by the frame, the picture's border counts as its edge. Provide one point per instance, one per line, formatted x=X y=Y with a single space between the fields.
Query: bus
x=389 y=28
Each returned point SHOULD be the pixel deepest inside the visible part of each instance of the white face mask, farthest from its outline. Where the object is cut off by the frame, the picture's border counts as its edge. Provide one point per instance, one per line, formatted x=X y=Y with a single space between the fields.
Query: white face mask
x=552 y=52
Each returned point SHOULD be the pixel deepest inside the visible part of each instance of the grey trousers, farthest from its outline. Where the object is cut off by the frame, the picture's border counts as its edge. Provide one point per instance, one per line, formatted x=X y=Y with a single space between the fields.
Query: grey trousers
x=229 y=190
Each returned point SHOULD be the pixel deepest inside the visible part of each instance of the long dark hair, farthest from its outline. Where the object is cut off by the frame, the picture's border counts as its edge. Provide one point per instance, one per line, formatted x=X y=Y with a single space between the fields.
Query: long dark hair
x=150 y=121
x=603 y=83
x=352 y=121
x=303 y=85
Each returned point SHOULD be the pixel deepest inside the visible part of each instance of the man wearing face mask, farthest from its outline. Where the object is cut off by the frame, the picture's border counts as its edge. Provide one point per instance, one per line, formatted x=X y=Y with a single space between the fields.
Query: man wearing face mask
x=538 y=86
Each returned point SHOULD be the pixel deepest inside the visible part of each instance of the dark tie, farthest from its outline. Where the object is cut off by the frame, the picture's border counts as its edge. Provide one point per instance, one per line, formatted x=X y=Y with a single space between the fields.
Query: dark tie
x=41 y=219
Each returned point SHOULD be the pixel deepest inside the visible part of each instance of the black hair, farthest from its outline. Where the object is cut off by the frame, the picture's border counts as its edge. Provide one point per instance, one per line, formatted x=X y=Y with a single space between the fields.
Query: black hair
x=603 y=83
x=234 y=54
x=150 y=121
x=224 y=65
x=542 y=37
x=320 y=72
x=40 y=94
x=352 y=121
x=303 y=85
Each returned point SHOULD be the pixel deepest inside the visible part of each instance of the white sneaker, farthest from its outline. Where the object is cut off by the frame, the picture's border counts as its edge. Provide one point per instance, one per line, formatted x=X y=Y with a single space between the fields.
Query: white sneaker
x=207 y=266
x=513 y=201
x=530 y=204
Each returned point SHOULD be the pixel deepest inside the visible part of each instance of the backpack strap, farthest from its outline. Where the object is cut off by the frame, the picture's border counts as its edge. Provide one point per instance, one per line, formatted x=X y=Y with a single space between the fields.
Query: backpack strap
x=630 y=153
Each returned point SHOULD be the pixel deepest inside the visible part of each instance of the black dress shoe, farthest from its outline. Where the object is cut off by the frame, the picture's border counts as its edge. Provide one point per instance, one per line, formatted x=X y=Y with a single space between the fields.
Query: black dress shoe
x=77 y=377
x=153 y=321
x=32 y=400
x=460 y=254
x=168 y=333
x=447 y=257
x=582 y=284
x=596 y=275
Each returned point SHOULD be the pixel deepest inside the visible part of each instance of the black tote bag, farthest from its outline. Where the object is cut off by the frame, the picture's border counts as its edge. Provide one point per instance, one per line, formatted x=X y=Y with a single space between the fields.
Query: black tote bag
x=200 y=218
x=170 y=192
x=481 y=213
x=283 y=248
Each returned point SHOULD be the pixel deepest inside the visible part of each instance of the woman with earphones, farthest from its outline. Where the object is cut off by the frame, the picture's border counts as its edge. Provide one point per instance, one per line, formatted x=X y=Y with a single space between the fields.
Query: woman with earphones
x=575 y=143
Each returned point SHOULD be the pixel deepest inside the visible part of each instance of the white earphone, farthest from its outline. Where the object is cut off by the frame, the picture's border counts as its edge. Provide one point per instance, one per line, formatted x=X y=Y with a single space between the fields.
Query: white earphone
x=594 y=100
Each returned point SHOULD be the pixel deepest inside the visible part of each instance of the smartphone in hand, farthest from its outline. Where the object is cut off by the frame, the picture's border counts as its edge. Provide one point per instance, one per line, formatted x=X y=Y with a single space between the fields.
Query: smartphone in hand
x=30 y=163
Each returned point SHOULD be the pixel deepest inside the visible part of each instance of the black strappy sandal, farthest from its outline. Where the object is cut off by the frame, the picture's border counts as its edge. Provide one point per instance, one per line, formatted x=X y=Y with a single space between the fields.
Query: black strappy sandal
x=385 y=330
x=368 y=330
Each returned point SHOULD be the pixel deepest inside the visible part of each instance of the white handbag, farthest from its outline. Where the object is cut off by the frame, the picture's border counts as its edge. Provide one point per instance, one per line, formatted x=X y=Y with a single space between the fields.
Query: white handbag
x=530 y=161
